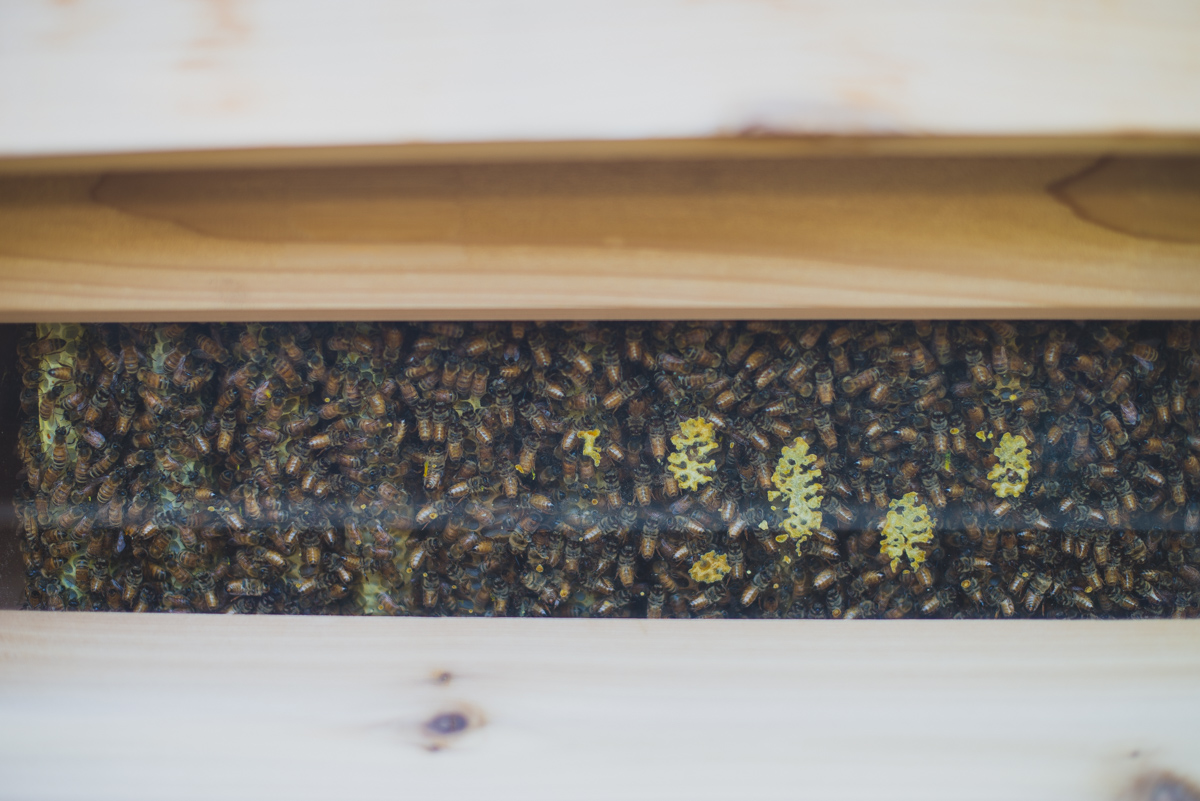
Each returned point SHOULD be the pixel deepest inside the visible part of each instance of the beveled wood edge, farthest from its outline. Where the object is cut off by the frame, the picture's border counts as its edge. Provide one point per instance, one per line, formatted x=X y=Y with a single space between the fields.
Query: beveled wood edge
x=753 y=147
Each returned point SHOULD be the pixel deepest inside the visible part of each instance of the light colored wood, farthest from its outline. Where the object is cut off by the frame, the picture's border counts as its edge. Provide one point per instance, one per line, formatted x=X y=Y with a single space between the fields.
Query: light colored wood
x=108 y=76
x=167 y=707
x=838 y=237
x=713 y=148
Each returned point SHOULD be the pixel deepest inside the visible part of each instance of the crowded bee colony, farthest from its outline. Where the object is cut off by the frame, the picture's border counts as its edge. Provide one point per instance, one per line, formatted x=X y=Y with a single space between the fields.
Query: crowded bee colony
x=661 y=469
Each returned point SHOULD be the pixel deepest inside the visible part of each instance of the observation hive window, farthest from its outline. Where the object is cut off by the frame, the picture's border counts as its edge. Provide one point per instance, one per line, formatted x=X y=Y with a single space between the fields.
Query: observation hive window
x=610 y=469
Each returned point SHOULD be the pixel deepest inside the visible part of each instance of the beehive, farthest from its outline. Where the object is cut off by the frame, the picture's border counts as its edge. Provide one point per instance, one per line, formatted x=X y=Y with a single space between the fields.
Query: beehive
x=914 y=201
x=712 y=469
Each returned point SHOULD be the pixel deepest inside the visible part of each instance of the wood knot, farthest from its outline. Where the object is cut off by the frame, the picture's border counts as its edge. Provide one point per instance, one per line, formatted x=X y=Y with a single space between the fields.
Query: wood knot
x=1162 y=787
x=447 y=723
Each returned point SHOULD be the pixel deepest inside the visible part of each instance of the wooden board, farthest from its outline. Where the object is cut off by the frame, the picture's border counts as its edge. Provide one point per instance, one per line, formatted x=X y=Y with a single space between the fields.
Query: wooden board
x=835 y=237
x=765 y=147
x=88 y=76
x=175 y=707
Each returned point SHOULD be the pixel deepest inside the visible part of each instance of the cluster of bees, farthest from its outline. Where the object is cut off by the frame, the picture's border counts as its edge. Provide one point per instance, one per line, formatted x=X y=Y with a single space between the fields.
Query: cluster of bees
x=935 y=469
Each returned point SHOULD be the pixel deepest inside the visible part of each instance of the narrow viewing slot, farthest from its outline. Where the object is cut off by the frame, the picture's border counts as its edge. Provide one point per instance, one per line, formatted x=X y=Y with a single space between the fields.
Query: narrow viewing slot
x=642 y=469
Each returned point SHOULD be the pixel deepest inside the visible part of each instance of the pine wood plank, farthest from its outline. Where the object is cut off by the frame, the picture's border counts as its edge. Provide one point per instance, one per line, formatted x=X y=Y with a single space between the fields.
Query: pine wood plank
x=167 y=707
x=124 y=76
x=837 y=237
x=766 y=146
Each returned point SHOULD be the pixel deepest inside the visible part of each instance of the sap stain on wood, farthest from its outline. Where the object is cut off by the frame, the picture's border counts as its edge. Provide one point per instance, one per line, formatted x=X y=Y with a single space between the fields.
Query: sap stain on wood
x=1154 y=198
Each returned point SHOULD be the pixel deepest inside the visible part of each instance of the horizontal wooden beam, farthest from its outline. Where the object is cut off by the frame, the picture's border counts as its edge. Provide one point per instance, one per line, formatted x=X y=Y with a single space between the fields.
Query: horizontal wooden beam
x=165 y=707
x=751 y=147
x=117 y=76
x=835 y=237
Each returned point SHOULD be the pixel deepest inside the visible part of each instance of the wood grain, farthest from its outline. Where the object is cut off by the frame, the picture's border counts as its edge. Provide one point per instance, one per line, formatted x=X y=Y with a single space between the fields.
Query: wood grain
x=834 y=237
x=180 y=707
x=750 y=147
x=112 y=76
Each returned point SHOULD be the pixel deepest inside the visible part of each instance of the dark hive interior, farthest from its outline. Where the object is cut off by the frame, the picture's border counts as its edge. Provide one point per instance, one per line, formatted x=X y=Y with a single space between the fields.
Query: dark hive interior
x=659 y=469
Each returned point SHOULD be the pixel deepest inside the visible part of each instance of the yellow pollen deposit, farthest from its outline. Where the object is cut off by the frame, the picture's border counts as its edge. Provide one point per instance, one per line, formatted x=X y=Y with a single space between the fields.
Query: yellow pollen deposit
x=589 y=444
x=907 y=526
x=694 y=441
x=1010 y=476
x=797 y=482
x=710 y=567
x=1009 y=388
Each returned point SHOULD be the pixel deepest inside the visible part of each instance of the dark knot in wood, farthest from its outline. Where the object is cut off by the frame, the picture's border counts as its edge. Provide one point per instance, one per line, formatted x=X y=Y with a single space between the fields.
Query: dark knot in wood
x=447 y=723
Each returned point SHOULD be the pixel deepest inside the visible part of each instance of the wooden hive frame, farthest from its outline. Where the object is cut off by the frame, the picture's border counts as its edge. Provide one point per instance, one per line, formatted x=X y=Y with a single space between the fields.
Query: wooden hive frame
x=1075 y=219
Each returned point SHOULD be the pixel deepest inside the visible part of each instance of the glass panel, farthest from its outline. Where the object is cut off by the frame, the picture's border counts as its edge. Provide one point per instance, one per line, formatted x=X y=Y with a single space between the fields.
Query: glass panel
x=673 y=469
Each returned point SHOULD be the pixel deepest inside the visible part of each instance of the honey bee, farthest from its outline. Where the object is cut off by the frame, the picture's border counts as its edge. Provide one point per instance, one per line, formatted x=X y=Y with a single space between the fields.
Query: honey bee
x=1039 y=585
x=207 y=592
x=209 y=348
x=759 y=584
x=109 y=486
x=824 y=388
x=59 y=454
x=931 y=603
x=709 y=597
x=48 y=345
x=538 y=349
x=626 y=565
x=1000 y=601
x=981 y=374
x=1119 y=599
x=970 y=588
x=828 y=577
x=430 y=590
x=145 y=600
x=246 y=587
x=462 y=489
x=48 y=401
x=933 y=489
